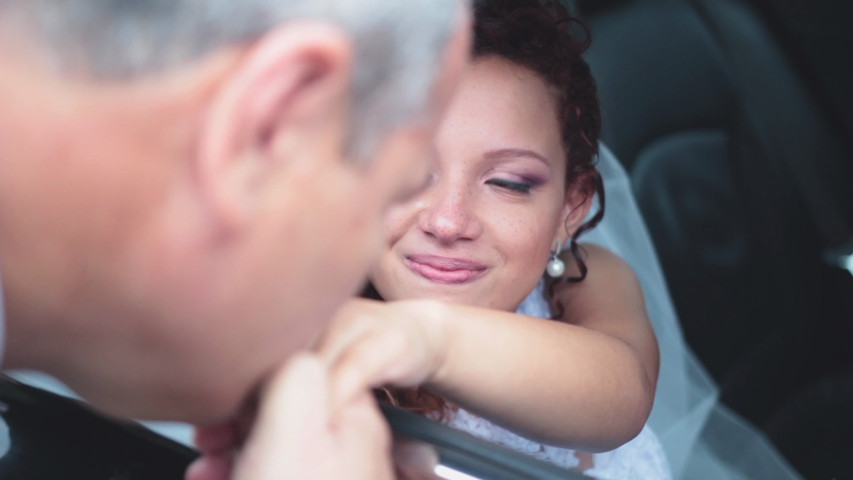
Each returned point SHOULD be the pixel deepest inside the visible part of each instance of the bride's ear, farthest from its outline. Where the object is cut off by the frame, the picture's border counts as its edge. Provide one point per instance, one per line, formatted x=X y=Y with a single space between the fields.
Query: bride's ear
x=576 y=206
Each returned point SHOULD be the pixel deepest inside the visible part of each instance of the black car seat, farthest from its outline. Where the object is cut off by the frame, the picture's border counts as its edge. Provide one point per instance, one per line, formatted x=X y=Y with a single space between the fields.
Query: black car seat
x=745 y=183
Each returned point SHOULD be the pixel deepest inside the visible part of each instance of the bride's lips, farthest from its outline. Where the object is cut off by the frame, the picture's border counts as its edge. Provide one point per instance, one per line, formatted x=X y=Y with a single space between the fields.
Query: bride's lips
x=445 y=270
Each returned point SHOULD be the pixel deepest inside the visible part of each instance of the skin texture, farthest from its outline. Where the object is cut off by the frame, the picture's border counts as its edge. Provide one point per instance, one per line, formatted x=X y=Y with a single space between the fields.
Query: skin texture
x=182 y=222
x=157 y=253
x=585 y=382
x=303 y=440
x=468 y=213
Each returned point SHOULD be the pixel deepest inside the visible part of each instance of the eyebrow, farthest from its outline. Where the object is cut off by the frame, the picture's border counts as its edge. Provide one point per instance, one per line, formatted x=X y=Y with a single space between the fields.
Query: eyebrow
x=516 y=152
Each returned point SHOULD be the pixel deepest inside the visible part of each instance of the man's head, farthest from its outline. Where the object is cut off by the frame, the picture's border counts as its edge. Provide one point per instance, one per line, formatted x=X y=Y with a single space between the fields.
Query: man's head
x=188 y=189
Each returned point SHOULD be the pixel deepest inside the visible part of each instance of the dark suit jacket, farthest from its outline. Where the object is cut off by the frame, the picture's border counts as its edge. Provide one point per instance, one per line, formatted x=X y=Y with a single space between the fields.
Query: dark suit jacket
x=54 y=437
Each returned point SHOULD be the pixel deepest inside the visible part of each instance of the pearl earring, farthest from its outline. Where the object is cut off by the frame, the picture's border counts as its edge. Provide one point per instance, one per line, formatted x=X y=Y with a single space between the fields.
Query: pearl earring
x=556 y=267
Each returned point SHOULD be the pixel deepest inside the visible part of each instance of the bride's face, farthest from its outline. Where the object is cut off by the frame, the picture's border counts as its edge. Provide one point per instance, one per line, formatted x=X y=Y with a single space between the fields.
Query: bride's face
x=482 y=230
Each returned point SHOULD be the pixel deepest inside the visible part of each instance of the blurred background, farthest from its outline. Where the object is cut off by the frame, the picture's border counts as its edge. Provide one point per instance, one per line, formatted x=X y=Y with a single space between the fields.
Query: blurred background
x=734 y=119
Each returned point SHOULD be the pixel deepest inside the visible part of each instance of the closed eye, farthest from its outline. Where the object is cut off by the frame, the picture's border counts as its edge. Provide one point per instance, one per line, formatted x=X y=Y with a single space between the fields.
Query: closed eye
x=519 y=187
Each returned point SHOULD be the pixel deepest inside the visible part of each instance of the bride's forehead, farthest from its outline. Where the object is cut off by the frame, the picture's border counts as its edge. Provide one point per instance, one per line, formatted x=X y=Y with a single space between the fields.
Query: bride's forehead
x=501 y=105
x=497 y=73
x=497 y=93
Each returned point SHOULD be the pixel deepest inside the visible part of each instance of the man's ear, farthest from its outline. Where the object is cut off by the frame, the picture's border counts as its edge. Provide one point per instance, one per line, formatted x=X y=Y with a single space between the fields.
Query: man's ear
x=289 y=85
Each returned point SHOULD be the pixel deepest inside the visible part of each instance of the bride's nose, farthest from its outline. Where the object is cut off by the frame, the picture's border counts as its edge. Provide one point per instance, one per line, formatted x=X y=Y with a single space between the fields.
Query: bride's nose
x=448 y=212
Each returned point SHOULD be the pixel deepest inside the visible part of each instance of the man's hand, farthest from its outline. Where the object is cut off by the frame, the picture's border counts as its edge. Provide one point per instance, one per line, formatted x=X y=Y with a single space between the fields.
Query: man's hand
x=300 y=433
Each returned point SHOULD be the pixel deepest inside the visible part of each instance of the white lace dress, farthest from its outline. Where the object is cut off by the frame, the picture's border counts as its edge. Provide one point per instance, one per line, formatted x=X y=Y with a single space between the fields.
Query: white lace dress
x=640 y=459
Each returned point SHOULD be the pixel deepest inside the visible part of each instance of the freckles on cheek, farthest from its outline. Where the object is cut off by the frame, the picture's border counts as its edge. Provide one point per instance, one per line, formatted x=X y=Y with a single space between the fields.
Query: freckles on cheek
x=521 y=230
x=534 y=237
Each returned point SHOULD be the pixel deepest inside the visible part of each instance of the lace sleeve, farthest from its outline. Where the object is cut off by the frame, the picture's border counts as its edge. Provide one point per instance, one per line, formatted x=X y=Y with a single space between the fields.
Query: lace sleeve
x=640 y=459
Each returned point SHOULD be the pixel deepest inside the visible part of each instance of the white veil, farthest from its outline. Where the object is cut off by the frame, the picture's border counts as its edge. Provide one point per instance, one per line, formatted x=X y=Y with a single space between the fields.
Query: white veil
x=701 y=437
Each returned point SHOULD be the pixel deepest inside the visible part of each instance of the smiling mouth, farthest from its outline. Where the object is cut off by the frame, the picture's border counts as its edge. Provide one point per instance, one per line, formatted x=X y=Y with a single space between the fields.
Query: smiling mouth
x=444 y=270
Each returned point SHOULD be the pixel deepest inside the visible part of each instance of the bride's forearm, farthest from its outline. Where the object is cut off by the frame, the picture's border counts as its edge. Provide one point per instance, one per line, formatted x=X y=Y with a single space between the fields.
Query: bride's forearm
x=556 y=383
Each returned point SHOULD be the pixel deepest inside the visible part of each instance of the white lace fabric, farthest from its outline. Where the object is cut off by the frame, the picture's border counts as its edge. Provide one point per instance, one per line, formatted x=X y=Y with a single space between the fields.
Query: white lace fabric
x=642 y=458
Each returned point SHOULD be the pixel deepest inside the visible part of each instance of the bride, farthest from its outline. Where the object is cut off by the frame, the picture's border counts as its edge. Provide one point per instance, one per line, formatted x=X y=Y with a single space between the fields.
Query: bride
x=517 y=44
x=512 y=181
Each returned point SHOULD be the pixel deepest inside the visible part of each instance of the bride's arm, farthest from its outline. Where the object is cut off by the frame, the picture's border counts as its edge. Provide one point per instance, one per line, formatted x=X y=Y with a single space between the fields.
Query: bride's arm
x=585 y=382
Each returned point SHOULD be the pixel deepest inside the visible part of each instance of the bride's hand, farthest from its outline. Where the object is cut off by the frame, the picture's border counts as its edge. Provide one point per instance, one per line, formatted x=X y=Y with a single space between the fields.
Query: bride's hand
x=296 y=433
x=384 y=343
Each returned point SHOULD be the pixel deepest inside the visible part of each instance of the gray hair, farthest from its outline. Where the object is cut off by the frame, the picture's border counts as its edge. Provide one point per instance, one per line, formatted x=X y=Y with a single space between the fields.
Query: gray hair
x=398 y=43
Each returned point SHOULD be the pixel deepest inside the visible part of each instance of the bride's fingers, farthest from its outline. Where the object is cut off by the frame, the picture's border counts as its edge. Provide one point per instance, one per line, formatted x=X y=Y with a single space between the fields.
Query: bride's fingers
x=377 y=359
x=216 y=439
x=365 y=440
x=296 y=398
x=210 y=467
x=414 y=460
x=348 y=328
x=226 y=436
x=339 y=341
x=296 y=435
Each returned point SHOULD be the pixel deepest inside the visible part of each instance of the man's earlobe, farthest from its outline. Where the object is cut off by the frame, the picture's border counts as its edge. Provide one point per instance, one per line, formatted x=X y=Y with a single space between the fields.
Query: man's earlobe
x=282 y=89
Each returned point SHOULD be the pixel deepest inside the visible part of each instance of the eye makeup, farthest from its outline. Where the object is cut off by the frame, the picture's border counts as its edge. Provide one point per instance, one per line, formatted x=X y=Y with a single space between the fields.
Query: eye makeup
x=520 y=187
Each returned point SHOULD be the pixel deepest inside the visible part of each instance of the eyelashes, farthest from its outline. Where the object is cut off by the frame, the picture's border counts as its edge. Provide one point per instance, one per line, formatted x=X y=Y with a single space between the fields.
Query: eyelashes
x=515 y=184
x=519 y=187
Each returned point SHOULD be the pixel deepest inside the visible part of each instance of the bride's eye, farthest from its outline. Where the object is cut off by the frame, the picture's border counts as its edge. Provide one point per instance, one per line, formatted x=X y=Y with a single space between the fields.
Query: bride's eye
x=520 y=187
